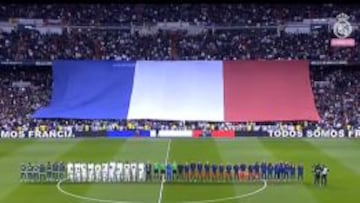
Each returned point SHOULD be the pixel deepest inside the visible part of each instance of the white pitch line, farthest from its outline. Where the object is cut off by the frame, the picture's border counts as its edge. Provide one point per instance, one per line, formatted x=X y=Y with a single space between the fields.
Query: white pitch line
x=163 y=178
x=233 y=197
x=200 y=201
x=88 y=198
x=58 y=186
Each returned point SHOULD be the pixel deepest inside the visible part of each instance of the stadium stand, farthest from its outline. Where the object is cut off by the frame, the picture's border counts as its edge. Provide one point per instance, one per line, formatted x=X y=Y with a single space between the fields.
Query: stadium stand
x=25 y=89
x=336 y=95
x=224 y=14
x=220 y=45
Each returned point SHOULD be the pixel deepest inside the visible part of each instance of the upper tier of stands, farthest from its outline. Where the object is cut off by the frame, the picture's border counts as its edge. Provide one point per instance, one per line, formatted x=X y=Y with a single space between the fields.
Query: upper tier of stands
x=224 y=14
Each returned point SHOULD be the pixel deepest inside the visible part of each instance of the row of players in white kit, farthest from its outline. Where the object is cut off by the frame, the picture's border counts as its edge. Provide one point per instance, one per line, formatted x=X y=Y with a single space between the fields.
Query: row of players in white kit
x=106 y=172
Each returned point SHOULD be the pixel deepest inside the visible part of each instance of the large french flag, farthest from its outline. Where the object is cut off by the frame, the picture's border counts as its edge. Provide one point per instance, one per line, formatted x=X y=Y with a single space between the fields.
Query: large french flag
x=182 y=90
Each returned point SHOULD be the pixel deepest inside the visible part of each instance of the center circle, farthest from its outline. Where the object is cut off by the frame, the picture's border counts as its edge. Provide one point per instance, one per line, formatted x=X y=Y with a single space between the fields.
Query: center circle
x=92 y=199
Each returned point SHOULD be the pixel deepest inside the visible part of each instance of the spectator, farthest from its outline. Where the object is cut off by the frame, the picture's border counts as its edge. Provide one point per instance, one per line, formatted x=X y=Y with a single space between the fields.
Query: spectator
x=25 y=90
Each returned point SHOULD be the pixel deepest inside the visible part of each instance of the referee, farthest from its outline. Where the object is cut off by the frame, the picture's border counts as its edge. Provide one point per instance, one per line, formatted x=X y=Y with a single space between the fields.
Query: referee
x=148 y=171
x=317 y=174
x=324 y=173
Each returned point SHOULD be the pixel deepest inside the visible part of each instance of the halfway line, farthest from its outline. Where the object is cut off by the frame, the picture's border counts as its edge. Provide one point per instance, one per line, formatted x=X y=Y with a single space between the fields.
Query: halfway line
x=163 y=177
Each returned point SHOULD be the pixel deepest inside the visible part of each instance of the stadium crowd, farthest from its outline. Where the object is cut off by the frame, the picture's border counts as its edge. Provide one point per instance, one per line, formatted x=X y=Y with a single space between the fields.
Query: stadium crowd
x=337 y=96
x=208 y=14
x=23 y=90
x=217 y=45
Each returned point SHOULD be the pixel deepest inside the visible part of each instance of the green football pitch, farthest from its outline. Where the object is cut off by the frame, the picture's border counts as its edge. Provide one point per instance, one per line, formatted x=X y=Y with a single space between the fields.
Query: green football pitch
x=341 y=155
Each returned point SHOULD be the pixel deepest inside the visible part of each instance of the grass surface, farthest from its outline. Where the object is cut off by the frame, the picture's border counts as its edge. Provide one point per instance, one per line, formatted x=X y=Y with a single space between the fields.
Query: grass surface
x=341 y=155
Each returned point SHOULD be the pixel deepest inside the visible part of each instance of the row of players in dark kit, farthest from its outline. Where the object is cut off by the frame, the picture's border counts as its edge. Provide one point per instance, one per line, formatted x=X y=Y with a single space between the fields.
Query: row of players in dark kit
x=281 y=171
x=50 y=172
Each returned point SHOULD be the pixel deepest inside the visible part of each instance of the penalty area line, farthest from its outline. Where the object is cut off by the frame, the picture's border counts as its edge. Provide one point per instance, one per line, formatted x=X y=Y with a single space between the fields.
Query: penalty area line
x=163 y=177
